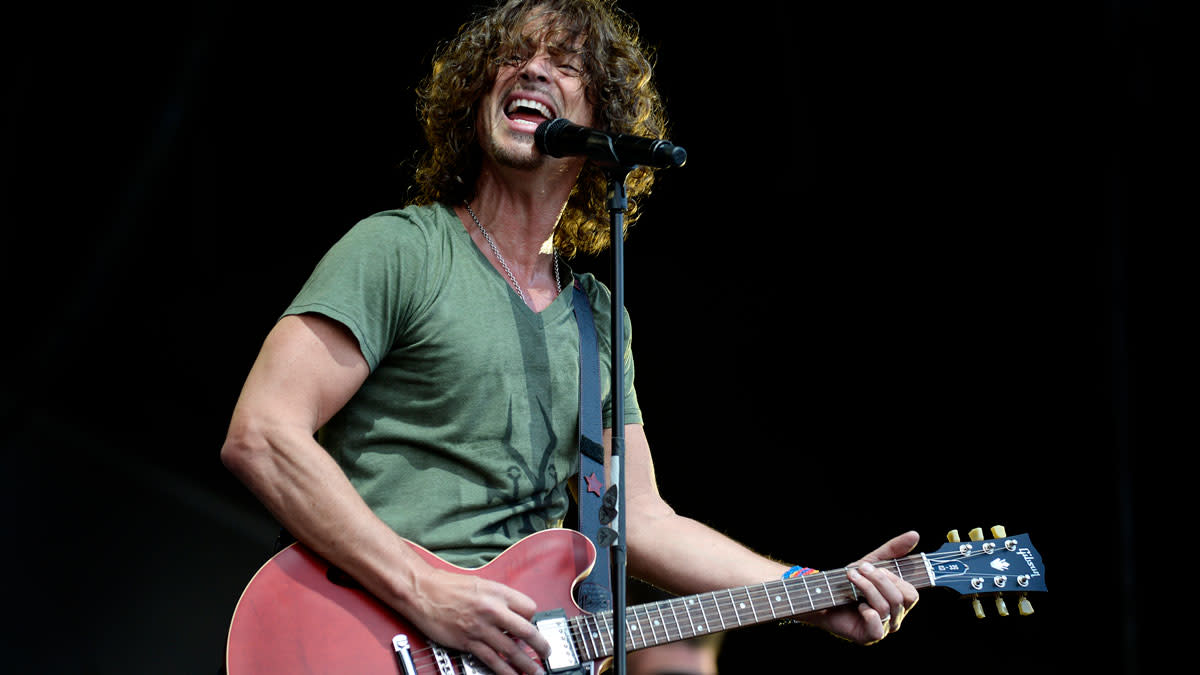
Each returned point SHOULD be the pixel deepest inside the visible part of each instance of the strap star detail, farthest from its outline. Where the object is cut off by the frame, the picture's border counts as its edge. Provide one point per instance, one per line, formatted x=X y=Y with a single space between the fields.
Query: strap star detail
x=595 y=485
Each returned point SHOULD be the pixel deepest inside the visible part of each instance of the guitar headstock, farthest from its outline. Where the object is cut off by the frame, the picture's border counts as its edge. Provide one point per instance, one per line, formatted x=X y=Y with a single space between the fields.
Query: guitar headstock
x=989 y=566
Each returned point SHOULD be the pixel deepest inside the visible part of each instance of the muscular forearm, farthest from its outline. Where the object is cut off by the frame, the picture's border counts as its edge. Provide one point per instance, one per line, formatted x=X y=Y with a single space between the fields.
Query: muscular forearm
x=301 y=485
x=306 y=490
x=686 y=557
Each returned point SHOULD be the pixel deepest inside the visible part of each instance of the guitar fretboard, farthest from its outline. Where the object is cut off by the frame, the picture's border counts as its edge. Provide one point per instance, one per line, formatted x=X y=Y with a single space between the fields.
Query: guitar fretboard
x=691 y=616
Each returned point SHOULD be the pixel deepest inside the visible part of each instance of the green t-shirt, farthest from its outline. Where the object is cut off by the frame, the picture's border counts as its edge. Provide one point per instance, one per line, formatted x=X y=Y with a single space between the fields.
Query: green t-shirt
x=464 y=435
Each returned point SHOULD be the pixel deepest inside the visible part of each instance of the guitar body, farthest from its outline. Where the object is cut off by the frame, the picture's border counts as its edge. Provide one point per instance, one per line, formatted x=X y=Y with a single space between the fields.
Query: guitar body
x=297 y=615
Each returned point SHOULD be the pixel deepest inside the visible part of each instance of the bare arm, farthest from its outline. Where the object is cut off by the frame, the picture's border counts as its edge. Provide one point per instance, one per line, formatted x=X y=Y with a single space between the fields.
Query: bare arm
x=684 y=556
x=309 y=367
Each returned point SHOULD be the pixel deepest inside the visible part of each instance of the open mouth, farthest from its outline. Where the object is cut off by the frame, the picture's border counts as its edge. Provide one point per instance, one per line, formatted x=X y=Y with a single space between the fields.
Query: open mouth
x=526 y=112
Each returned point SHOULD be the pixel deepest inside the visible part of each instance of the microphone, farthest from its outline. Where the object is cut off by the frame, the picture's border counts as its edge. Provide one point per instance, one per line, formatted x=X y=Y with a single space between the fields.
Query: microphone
x=560 y=138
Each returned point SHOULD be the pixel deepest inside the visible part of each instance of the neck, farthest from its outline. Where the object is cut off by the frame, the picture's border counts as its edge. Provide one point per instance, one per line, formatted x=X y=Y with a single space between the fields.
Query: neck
x=520 y=208
x=697 y=615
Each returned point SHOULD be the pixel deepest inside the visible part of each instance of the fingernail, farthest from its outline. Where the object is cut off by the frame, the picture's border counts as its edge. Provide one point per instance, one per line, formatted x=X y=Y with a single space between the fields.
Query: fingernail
x=867 y=567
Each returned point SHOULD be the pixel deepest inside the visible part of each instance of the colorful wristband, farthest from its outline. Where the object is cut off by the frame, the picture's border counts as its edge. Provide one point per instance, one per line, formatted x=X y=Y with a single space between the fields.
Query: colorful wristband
x=798 y=571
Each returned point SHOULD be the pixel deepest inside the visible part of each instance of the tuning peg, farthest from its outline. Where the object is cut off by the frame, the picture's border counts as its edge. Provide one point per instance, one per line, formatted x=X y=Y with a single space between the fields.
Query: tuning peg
x=998 y=532
x=976 y=534
x=1024 y=606
x=1001 y=608
x=952 y=537
x=978 y=607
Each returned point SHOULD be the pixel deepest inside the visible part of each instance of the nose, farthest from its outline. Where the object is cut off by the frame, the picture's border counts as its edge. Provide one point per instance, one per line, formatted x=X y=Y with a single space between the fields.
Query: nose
x=537 y=68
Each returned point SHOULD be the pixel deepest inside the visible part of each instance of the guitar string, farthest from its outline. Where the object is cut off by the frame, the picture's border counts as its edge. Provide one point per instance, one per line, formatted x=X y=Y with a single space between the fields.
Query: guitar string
x=761 y=608
x=425 y=658
x=843 y=591
x=757 y=595
x=833 y=582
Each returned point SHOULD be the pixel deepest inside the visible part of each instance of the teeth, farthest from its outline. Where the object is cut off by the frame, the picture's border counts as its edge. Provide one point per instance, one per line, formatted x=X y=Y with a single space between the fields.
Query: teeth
x=527 y=103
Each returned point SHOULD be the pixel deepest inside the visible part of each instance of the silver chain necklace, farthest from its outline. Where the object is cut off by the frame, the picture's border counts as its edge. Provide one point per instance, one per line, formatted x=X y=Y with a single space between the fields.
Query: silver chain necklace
x=495 y=251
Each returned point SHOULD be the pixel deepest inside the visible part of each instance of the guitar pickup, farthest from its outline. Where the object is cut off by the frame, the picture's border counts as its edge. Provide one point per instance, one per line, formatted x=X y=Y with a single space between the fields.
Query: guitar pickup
x=564 y=658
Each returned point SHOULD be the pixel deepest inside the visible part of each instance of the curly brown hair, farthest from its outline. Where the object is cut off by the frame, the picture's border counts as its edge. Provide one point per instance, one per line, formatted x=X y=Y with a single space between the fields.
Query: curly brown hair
x=619 y=83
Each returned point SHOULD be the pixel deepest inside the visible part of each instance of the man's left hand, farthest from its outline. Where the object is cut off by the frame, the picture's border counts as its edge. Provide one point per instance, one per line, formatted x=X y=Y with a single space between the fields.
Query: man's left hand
x=885 y=597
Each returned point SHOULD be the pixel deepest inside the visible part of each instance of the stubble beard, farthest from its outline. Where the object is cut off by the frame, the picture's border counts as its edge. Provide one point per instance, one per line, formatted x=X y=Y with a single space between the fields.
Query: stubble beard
x=521 y=155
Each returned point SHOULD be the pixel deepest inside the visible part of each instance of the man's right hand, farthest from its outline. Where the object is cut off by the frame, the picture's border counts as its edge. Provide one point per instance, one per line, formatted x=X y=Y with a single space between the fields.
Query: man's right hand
x=486 y=618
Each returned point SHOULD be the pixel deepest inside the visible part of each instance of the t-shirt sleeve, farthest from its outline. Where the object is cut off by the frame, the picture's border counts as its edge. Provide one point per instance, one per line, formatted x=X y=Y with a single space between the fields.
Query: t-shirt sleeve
x=633 y=413
x=366 y=281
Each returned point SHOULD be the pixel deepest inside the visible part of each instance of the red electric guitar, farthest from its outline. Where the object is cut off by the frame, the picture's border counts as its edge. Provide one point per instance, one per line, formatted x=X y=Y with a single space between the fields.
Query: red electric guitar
x=299 y=615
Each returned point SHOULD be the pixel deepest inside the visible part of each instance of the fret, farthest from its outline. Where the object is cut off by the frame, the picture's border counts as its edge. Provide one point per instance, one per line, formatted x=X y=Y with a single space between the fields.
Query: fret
x=637 y=627
x=832 y=595
x=717 y=606
x=750 y=601
x=688 y=602
x=777 y=598
x=596 y=635
x=705 y=620
x=698 y=602
x=808 y=592
x=681 y=604
x=605 y=628
x=662 y=619
x=675 y=618
x=655 y=626
x=770 y=601
x=734 y=606
x=788 y=592
x=583 y=638
x=631 y=629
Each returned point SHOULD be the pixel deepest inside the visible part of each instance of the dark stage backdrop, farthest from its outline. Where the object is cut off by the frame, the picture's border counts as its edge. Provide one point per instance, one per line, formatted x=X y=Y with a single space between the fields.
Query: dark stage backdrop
x=887 y=292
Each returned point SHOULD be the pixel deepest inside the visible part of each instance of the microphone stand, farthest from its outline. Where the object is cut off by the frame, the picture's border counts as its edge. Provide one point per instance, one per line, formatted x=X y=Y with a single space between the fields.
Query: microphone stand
x=601 y=148
x=618 y=203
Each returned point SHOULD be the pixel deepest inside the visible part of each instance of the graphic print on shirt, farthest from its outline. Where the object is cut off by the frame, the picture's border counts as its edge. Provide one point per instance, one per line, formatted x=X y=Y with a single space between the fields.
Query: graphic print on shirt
x=543 y=484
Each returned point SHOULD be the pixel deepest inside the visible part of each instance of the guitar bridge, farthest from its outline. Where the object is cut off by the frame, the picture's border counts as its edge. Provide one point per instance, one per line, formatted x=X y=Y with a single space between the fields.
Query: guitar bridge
x=444 y=660
x=471 y=666
x=403 y=654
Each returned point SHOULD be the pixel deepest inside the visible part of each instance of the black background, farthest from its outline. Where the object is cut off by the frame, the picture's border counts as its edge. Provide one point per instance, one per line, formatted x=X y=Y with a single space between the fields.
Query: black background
x=889 y=291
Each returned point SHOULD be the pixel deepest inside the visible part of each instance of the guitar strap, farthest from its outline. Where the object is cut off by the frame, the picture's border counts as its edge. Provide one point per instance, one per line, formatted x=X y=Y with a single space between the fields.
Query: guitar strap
x=595 y=592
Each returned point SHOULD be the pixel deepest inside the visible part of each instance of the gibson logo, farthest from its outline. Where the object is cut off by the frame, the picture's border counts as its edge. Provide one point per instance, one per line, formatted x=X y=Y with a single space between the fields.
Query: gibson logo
x=1029 y=560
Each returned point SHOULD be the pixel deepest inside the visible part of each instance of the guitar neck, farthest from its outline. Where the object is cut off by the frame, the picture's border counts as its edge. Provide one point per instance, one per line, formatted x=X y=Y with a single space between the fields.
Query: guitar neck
x=692 y=616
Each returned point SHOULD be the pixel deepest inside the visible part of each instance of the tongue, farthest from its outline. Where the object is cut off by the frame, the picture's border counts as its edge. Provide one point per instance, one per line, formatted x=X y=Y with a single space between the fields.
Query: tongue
x=527 y=116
